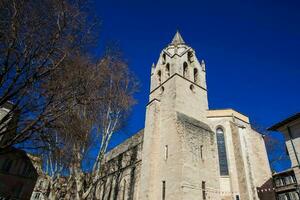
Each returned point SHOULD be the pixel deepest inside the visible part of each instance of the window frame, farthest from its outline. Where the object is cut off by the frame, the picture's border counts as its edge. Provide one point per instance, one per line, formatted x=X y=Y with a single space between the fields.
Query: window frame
x=185 y=70
x=196 y=75
x=222 y=151
x=168 y=70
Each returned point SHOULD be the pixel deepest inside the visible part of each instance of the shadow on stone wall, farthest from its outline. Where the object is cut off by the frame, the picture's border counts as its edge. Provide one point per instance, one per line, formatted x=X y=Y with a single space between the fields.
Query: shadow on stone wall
x=119 y=177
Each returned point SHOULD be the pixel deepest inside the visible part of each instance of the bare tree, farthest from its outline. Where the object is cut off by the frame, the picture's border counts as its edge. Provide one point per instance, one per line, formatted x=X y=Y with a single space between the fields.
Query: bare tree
x=276 y=150
x=65 y=102
x=103 y=95
x=275 y=147
x=37 y=38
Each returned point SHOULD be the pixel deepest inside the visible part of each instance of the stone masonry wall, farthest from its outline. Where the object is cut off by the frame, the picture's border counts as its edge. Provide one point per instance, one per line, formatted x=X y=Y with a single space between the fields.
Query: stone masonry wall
x=121 y=175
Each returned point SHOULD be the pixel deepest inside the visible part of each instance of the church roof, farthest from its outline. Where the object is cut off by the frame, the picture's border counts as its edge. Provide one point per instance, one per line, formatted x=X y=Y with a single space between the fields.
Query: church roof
x=128 y=144
x=177 y=39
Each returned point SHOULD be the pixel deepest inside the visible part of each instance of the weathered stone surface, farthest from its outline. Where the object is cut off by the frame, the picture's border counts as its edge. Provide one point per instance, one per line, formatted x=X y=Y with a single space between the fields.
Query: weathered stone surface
x=176 y=156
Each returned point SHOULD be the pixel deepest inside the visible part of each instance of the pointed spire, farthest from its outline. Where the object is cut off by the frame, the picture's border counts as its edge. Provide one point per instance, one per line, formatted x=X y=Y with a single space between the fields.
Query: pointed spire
x=203 y=65
x=153 y=65
x=177 y=39
x=152 y=68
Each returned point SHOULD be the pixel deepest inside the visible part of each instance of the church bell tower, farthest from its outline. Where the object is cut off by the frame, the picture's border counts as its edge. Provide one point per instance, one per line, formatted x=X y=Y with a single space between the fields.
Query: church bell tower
x=178 y=64
x=179 y=148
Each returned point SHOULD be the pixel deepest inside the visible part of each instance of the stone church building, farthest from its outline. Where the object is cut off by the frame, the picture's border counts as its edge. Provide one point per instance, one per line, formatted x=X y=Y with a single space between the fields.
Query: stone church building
x=186 y=150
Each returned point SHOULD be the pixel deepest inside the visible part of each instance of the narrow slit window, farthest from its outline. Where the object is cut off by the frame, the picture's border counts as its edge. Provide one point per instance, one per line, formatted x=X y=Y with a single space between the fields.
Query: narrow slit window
x=203 y=190
x=163 y=58
x=195 y=75
x=159 y=77
x=185 y=69
x=164 y=190
x=190 y=56
x=166 y=152
x=201 y=151
x=168 y=70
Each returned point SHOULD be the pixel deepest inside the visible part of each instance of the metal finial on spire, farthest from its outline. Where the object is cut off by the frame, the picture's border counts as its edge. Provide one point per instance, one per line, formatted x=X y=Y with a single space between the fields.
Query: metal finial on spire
x=152 y=68
x=177 y=39
x=153 y=65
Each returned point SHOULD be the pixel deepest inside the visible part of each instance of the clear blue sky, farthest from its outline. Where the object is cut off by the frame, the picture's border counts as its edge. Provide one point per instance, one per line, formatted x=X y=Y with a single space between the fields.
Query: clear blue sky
x=251 y=49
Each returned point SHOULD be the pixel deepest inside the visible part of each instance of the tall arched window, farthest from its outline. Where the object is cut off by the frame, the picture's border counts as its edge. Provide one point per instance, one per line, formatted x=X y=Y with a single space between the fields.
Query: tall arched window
x=159 y=77
x=163 y=58
x=195 y=75
x=190 y=56
x=222 y=152
x=185 y=69
x=168 y=70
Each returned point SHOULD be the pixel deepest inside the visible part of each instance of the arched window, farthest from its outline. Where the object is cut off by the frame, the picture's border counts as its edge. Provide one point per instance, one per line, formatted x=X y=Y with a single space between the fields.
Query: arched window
x=195 y=75
x=222 y=152
x=163 y=58
x=190 y=56
x=185 y=69
x=159 y=77
x=168 y=70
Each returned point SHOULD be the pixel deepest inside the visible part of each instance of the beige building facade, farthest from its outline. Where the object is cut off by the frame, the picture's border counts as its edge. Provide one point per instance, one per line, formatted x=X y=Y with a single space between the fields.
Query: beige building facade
x=186 y=150
x=290 y=127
